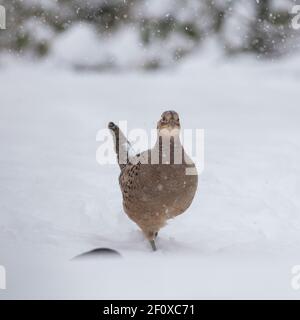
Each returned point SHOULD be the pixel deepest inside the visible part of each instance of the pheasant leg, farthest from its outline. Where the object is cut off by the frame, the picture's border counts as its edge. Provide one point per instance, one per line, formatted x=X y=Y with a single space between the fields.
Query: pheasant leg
x=153 y=246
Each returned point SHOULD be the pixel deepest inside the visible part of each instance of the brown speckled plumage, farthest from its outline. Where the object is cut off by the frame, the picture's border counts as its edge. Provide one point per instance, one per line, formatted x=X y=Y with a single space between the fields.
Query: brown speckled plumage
x=154 y=193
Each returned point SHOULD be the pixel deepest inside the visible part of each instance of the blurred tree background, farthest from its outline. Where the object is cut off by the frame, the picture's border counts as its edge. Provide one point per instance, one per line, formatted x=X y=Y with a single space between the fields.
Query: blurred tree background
x=145 y=33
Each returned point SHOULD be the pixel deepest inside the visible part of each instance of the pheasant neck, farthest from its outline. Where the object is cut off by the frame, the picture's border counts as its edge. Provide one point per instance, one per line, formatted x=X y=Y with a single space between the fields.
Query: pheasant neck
x=169 y=149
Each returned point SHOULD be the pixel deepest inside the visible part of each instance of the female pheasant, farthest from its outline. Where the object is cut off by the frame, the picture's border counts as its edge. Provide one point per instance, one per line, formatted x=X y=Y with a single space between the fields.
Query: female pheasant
x=158 y=184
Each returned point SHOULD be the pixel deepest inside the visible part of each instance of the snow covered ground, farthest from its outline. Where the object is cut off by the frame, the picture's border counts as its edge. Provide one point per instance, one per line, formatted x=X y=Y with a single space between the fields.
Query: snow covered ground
x=239 y=239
